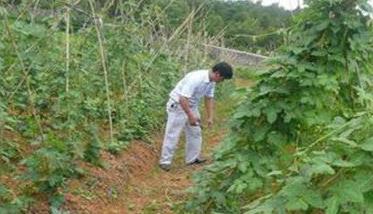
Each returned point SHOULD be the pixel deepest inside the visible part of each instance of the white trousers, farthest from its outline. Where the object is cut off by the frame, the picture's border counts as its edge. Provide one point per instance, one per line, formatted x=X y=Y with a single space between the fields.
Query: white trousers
x=177 y=121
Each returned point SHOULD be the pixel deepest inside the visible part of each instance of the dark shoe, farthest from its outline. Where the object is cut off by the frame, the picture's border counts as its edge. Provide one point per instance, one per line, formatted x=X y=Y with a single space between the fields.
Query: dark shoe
x=165 y=167
x=197 y=161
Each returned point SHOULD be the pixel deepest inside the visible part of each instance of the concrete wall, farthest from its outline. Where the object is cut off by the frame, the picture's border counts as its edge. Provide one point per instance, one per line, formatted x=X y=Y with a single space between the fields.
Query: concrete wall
x=235 y=57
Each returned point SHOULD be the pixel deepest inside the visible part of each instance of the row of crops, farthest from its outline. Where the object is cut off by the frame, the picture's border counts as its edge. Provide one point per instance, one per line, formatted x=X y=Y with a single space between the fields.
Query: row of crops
x=77 y=82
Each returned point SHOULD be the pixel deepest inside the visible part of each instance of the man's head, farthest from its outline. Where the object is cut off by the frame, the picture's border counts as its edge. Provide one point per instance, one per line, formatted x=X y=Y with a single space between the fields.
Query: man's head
x=221 y=71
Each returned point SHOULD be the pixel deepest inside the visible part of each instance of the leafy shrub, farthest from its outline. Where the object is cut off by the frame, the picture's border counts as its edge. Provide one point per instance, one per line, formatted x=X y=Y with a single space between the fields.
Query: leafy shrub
x=48 y=169
x=93 y=148
x=301 y=140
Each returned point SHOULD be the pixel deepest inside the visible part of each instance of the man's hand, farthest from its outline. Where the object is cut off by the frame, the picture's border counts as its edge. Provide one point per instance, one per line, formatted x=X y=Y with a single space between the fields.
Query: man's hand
x=194 y=121
x=209 y=103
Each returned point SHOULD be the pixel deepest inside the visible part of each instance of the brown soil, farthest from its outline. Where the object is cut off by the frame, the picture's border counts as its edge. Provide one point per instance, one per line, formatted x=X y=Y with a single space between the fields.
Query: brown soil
x=104 y=190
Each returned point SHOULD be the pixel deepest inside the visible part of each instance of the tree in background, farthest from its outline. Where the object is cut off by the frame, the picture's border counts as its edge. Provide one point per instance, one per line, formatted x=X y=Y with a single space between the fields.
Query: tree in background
x=239 y=24
x=242 y=25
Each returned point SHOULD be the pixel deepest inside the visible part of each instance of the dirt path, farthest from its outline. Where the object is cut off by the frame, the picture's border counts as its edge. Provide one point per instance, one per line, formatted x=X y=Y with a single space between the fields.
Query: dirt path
x=132 y=182
x=161 y=192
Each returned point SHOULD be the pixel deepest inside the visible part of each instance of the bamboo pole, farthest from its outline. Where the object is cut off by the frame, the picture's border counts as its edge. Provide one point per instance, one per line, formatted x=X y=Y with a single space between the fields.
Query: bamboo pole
x=98 y=24
x=186 y=56
x=177 y=32
x=204 y=51
x=67 y=64
x=124 y=82
x=67 y=46
x=2 y=126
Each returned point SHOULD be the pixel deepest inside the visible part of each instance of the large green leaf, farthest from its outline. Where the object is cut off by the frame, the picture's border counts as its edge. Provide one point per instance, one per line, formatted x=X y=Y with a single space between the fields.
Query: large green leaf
x=319 y=167
x=271 y=115
x=348 y=191
x=313 y=198
x=296 y=204
x=368 y=145
x=332 y=206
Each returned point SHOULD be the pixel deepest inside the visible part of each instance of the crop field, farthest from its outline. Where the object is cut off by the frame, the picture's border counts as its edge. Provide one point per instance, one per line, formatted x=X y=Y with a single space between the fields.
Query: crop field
x=84 y=85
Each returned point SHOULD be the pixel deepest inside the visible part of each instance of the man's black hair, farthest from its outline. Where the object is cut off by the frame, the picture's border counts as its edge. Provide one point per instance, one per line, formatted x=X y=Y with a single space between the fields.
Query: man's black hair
x=224 y=69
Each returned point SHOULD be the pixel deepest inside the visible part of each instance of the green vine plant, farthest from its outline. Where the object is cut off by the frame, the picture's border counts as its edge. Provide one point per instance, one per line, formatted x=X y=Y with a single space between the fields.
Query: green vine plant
x=302 y=139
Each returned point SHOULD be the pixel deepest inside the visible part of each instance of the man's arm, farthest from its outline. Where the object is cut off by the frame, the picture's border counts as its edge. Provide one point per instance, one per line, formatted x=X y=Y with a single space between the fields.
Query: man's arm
x=209 y=103
x=184 y=102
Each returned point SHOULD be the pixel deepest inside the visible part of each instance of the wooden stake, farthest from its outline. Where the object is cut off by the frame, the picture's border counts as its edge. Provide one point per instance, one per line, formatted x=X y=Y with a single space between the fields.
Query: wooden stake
x=98 y=25
x=67 y=54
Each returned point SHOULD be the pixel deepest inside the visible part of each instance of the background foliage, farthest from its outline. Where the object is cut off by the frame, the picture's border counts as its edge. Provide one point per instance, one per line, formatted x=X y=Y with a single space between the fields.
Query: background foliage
x=243 y=25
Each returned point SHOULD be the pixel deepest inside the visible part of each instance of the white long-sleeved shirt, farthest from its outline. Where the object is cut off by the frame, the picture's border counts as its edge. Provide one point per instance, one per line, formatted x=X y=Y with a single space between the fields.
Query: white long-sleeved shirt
x=193 y=86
